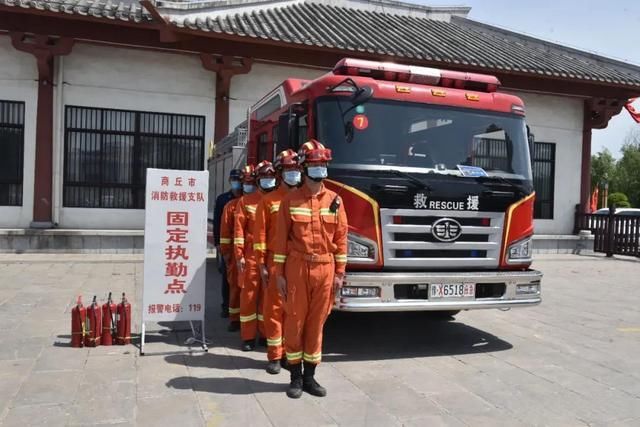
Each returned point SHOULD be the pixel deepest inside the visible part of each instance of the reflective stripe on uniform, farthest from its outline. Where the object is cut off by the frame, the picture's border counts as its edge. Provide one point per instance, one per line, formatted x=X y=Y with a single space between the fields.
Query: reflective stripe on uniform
x=234 y=310
x=248 y=318
x=260 y=318
x=279 y=258
x=274 y=341
x=312 y=357
x=294 y=356
x=300 y=211
x=251 y=208
x=326 y=211
x=341 y=258
x=238 y=241
x=259 y=246
x=224 y=240
x=274 y=208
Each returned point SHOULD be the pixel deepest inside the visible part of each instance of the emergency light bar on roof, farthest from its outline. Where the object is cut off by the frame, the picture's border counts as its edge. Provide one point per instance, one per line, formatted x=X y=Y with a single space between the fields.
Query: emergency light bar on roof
x=414 y=74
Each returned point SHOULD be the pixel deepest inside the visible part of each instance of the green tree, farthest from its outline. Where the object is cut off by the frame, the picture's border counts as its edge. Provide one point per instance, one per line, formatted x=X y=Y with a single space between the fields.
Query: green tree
x=619 y=200
x=627 y=173
x=603 y=167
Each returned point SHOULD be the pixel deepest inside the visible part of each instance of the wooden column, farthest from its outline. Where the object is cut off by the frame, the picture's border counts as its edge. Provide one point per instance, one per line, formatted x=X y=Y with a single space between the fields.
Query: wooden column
x=585 y=170
x=225 y=69
x=597 y=113
x=44 y=48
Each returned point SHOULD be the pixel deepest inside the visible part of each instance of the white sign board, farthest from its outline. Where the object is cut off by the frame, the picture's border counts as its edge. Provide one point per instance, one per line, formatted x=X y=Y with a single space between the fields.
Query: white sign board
x=175 y=245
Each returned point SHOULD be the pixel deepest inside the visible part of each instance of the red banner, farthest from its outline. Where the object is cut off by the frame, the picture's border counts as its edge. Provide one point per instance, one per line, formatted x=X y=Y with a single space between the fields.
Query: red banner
x=635 y=114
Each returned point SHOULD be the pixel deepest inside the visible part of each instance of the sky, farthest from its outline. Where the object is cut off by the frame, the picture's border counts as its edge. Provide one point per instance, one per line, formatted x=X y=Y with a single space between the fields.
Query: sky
x=610 y=28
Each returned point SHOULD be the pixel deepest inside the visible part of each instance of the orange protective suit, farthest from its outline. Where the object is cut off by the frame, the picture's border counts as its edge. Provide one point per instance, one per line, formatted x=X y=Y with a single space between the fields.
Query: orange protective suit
x=264 y=236
x=310 y=249
x=251 y=320
x=226 y=247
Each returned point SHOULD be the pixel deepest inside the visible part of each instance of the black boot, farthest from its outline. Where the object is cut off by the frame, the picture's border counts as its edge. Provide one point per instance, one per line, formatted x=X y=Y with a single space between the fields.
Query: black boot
x=248 y=345
x=273 y=367
x=262 y=342
x=295 y=386
x=284 y=364
x=234 y=326
x=309 y=384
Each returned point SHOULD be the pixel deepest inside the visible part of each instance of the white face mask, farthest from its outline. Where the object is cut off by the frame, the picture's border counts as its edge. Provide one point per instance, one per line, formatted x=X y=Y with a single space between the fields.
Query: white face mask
x=292 y=178
x=317 y=172
x=267 y=183
x=248 y=188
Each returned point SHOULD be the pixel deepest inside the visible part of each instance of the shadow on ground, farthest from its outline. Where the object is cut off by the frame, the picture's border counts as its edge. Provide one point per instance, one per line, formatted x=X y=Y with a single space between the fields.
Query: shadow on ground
x=379 y=336
x=229 y=385
x=216 y=361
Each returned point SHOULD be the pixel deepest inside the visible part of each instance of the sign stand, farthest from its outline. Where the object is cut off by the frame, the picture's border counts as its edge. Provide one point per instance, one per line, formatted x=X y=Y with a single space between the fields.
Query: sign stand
x=175 y=251
x=192 y=339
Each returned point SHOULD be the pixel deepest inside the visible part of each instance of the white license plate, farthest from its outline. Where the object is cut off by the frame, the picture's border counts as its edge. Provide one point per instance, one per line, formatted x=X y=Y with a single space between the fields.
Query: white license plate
x=452 y=290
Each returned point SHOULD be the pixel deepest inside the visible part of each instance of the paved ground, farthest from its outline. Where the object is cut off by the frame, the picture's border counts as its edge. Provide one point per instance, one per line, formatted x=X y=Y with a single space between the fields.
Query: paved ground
x=574 y=360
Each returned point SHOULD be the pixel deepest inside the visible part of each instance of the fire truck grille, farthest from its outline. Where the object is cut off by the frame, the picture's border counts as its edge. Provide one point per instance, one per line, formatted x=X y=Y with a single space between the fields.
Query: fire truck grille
x=410 y=243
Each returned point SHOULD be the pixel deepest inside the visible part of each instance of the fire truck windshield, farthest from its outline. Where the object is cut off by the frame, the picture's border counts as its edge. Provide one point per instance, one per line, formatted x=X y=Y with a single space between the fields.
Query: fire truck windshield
x=422 y=138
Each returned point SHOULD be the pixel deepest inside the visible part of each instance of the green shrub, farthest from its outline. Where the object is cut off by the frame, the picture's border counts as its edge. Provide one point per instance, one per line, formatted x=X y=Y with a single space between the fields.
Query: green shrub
x=619 y=200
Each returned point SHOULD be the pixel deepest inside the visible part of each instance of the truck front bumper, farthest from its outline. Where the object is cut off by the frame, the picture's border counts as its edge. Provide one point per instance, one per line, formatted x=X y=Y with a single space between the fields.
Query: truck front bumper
x=410 y=291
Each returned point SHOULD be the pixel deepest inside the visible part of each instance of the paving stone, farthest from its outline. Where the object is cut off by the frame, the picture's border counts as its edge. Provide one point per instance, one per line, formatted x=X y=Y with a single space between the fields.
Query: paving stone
x=39 y=415
x=48 y=388
x=169 y=411
x=569 y=355
x=62 y=359
x=104 y=409
x=283 y=411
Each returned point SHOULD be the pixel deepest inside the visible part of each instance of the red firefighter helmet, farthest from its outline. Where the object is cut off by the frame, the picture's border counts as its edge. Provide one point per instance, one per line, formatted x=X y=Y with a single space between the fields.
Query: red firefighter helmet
x=313 y=151
x=287 y=159
x=265 y=169
x=248 y=174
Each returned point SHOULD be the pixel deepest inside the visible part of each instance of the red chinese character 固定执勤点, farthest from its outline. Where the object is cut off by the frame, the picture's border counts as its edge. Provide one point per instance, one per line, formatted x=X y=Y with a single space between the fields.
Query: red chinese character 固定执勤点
x=174 y=252
x=176 y=287
x=177 y=235
x=178 y=218
x=176 y=269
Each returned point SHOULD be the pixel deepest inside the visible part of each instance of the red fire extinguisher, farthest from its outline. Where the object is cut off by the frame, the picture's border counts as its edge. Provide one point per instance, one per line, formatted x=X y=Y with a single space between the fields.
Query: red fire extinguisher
x=94 y=325
x=108 y=323
x=123 y=322
x=78 y=320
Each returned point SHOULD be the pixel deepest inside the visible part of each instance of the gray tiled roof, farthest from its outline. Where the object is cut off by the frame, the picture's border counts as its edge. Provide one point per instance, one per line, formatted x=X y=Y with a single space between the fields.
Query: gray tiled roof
x=458 y=42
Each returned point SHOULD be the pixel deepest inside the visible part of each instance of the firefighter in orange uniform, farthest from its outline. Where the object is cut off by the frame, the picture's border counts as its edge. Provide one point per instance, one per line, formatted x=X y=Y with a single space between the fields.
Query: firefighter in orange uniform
x=264 y=235
x=226 y=249
x=310 y=254
x=251 y=320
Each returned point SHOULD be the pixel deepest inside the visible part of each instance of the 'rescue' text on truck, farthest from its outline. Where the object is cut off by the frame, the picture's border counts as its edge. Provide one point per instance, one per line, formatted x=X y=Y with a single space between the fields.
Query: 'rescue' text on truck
x=434 y=170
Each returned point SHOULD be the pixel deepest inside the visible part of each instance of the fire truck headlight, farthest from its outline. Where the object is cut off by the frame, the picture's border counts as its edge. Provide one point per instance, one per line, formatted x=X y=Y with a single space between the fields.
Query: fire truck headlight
x=360 y=249
x=520 y=251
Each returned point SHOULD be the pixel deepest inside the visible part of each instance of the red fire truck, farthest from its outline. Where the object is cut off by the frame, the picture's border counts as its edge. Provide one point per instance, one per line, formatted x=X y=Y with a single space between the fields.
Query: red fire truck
x=434 y=170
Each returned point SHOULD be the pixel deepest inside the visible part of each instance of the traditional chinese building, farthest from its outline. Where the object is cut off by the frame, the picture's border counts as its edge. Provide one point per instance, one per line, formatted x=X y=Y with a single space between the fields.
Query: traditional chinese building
x=94 y=92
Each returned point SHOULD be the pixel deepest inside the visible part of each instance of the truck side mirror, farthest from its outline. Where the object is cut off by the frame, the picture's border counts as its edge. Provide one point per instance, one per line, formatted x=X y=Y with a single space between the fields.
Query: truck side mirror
x=287 y=131
x=283 y=131
x=531 y=140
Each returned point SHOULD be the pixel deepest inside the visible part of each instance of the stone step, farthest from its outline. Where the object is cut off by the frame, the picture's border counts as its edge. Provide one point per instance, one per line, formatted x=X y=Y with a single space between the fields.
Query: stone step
x=74 y=241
